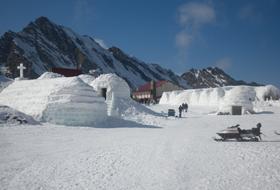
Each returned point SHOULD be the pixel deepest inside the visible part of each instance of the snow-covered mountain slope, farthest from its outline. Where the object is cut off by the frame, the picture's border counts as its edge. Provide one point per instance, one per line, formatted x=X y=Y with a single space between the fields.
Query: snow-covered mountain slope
x=43 y=45
x=211 y=77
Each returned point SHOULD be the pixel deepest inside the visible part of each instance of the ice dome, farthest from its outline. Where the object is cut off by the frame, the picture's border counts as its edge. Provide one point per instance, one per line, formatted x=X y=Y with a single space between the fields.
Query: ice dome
x=50 y=75
x=66 y=101
x=112 y=84
x=238 y=96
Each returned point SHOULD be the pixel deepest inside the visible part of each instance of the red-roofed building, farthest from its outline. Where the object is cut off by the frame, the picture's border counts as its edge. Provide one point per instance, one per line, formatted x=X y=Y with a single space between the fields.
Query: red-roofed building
x=66 y=72
x=152 y=91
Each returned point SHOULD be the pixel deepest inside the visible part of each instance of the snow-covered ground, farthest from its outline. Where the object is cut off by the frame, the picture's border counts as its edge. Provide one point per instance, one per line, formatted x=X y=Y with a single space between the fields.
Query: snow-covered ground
x=147 y=152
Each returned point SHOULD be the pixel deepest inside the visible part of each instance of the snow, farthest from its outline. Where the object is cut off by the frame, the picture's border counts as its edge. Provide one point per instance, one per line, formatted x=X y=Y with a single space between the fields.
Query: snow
x=222 y=98
x=136 y=147
x=113 y=84
x=119 y=103
x=87 y=78
x=9 y=116
x=65 y=100
x=49 y=75
x=174 y=154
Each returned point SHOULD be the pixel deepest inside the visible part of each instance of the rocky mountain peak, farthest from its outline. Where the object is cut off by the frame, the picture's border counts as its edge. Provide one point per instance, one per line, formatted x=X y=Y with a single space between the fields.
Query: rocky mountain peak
x=211 y=77
x=42 y=45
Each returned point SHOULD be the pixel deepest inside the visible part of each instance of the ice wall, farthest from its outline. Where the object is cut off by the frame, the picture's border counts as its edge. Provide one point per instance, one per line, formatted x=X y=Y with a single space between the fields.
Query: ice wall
x=222 y=97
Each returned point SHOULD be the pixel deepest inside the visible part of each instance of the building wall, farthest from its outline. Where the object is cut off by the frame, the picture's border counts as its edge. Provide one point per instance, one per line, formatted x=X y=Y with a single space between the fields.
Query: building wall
x=142 y=95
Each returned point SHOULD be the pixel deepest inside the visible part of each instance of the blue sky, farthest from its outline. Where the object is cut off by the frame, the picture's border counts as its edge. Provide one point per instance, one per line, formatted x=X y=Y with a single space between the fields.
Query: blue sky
x=240 y=36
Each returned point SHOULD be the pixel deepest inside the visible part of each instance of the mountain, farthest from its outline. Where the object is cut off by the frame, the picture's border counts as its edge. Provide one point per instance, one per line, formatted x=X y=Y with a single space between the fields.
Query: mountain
x=42 y=45
x=212 y=77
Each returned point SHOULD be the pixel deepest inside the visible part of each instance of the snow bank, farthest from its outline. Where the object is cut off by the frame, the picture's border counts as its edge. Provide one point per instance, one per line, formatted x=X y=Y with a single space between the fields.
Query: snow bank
x=66 y=100
x=223 y=97
x=50 y=75
x=113 y=84
x=14 y=117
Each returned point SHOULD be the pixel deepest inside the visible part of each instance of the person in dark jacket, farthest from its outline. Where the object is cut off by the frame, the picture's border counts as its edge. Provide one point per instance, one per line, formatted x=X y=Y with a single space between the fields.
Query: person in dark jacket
x=186 y=106
x=257 y=131
x=180 y=110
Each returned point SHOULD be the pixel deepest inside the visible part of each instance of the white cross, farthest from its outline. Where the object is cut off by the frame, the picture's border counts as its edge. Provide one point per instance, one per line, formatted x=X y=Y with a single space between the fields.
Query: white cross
x=21 y=68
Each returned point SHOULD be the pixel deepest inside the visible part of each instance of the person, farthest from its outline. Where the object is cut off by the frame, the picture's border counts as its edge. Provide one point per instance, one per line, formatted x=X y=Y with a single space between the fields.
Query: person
x=186 y=107
x=180 y=110
x=257 y=131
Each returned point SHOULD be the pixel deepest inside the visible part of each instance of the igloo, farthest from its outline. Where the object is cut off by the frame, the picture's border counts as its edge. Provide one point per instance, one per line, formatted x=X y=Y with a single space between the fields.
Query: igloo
x=66 y=101
x=108 y=85
x=242 y=96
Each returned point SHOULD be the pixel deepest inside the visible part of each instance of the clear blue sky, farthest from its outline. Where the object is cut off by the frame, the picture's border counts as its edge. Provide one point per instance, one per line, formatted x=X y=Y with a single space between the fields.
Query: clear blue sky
x=240 y=36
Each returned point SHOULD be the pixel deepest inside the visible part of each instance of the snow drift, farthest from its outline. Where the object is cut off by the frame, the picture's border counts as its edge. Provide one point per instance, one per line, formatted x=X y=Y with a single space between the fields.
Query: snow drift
x=222 y=97
x=66 y=100
x=13 y=117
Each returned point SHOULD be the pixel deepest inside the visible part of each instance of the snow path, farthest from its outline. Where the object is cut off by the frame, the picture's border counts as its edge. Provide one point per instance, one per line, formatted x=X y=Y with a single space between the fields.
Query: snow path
x=179 y=155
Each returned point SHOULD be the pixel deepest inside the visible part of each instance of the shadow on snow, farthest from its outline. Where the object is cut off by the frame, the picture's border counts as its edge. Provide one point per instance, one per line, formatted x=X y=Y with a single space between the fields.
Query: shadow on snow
x=121 y=123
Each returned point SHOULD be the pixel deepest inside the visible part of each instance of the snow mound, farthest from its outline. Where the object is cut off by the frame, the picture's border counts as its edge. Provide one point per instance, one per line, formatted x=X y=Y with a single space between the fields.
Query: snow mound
x=113 y=84
x=50 y=75
x=127 y=107
x=87 y=78
x=14 y=117
x=223 y=97
x=268 y=92
x=66 y=101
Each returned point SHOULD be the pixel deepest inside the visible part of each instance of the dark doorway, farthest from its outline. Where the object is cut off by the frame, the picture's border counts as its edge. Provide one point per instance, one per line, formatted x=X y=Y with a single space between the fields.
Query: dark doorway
x=236 y=110
x=104 y=92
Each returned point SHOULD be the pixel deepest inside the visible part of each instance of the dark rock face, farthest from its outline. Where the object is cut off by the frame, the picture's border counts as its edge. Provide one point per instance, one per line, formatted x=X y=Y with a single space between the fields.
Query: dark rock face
x=211 y=77
x=42 y=45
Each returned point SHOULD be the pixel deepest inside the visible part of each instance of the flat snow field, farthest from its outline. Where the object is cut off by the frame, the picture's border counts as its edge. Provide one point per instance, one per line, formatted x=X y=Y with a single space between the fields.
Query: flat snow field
x=154 y=153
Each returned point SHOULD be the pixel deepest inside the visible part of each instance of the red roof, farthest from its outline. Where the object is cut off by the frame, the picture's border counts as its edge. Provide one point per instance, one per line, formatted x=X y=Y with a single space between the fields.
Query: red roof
x=147 y=86
x=67 y=72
